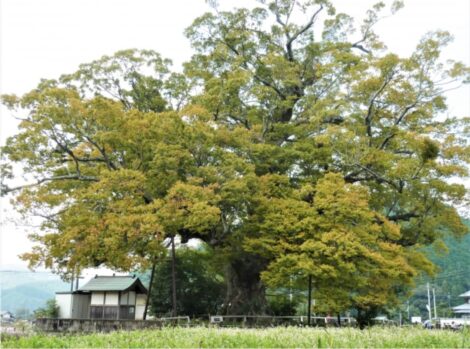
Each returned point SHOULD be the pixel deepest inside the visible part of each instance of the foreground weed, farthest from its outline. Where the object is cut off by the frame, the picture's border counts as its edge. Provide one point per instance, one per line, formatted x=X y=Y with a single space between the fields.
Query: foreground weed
x=280 y=337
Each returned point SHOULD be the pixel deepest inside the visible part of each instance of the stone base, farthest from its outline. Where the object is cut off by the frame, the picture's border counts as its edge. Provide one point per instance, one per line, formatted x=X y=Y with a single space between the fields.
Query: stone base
x=93 y=325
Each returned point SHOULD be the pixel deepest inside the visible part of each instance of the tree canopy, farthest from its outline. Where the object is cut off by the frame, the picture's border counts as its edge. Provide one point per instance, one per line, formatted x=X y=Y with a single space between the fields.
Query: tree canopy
x=291 y=148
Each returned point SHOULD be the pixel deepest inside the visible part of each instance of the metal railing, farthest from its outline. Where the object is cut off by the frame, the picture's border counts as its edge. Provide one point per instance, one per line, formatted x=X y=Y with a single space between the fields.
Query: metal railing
x=175 y=320
x=269 y=320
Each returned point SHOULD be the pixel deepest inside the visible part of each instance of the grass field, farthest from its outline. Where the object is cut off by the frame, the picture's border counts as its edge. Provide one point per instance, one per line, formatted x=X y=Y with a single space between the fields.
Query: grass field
x=280 y=337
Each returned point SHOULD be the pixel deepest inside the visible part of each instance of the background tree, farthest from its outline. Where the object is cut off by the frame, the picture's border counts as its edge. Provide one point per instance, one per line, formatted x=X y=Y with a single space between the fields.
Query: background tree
x=51 y=310
x=200 y=285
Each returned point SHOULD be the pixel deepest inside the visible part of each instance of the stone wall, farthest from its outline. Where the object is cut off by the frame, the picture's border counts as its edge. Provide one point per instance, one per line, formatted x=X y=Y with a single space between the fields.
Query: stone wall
x=93 y=325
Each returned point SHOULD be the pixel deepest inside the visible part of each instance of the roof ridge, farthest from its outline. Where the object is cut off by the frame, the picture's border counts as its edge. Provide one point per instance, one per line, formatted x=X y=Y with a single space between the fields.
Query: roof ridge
x=114 y=276
x=110 y=283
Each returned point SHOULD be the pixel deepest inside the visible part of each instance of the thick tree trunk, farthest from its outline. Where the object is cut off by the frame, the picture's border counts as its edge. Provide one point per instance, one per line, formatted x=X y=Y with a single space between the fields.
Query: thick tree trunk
x=245 y=291
x=365 y=316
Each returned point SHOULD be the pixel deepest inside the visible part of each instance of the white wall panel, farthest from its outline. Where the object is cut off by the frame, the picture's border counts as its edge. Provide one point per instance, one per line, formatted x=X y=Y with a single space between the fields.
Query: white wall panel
x=139 y=312
x=112 y=298
x=64 y=301
x=97 y=298
x=131 y=298
x=141 y=298
x=124 y=297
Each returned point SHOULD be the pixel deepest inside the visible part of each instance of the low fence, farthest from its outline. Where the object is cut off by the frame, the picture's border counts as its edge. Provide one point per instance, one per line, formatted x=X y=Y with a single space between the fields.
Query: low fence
x=93 y=325
x=107 y=325
x=452 y=323
x=267 y=321
x=176 y=321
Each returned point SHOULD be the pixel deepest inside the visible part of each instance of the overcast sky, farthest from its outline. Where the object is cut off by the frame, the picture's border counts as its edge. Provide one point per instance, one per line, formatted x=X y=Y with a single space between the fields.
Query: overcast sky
x=47 y=38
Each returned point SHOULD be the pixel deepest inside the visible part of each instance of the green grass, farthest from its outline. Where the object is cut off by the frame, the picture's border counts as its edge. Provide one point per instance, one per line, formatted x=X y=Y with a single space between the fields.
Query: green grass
x=280 y=337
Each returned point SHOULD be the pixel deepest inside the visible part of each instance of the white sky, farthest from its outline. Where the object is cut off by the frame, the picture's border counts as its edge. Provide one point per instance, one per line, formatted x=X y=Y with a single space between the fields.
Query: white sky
x=47 y=38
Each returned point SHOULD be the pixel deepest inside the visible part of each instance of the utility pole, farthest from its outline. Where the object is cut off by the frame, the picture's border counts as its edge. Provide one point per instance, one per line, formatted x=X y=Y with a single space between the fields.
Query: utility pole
x=71 y=281
x=291 y=296
x=448 y=300
x=429 y=301
x=77 y=278
x=309 y=309
x=408 y=309
x=434 y=302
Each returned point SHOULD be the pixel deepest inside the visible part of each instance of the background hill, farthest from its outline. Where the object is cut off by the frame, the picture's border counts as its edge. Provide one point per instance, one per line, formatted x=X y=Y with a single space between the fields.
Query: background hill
x=453 y=278
x=23 y=291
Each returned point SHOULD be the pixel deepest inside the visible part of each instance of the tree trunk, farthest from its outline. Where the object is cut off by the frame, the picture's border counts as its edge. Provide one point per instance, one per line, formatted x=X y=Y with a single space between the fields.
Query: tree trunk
x=245 y=290
x=173 y=275
x=365 y=316
x=147 y=301
x=309 y=303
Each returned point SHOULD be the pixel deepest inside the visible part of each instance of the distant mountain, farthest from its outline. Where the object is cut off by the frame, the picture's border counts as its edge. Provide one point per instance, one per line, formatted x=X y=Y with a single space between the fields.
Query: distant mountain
x=23 y=291
x=452 y=280
x=10 y=278
x=454 y=266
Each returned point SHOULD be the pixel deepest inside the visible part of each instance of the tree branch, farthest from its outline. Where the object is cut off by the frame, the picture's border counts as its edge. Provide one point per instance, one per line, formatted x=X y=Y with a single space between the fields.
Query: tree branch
x=85 y=159
x=350 y=178
x=290 y=40
x=403 y=216
x=67 y=150
x=368 y=119
x=256 y=76
x=110 y=165
x=6 y=189
x=397 y=122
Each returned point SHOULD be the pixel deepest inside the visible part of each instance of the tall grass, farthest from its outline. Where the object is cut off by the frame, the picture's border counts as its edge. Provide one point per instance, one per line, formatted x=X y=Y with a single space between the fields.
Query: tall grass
x=280 y=337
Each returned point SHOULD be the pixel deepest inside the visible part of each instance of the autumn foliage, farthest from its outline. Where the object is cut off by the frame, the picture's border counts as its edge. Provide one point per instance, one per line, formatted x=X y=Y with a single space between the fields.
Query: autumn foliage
x=291 y=150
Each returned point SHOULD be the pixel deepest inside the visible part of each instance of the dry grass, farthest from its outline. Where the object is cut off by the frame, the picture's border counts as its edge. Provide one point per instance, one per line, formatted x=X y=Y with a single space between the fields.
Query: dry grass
x=280 y=337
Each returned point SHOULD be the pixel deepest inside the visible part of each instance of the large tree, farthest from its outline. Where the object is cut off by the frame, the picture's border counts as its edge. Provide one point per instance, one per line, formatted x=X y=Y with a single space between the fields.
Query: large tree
x=271 y=121
x=320 y=100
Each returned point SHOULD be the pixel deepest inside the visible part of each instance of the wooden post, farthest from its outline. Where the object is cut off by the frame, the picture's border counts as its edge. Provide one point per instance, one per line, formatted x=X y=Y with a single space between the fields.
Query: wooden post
x=119 y=306
x=104 y=305
x=309 y=310
x=71 y=282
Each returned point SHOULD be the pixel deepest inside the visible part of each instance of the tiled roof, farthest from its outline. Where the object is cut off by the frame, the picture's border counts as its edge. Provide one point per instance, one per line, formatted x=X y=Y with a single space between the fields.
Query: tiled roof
x=466 y=294
x=462 y=309
x=113 y=283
